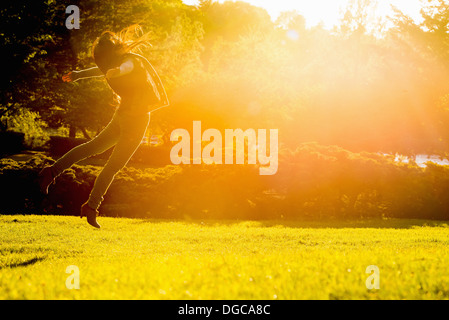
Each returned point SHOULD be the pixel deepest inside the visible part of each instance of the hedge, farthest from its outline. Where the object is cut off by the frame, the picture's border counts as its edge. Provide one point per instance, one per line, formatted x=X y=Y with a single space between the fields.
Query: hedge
x=312 y=182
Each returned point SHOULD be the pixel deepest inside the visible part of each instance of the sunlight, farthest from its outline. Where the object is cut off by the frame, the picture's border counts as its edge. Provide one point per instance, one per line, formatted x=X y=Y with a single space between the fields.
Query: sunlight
x=328 y=12
x=230 y=149
x=315 y=12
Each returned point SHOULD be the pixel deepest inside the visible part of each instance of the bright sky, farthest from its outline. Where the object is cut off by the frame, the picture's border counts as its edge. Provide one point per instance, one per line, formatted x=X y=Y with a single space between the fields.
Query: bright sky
x=327 y=11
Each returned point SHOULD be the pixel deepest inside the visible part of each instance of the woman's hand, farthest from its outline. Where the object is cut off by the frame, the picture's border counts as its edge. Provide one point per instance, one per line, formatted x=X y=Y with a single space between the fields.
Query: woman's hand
x=112 y=73
x=70 y=77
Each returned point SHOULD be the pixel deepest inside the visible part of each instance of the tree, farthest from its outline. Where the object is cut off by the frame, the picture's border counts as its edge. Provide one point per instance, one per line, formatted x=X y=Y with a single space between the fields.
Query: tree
x=40 y=49
x=31 y=37
x=424 y=48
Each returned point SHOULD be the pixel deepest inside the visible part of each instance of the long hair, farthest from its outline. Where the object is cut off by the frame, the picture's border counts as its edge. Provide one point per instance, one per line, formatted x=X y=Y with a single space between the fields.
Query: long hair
x=109 y=48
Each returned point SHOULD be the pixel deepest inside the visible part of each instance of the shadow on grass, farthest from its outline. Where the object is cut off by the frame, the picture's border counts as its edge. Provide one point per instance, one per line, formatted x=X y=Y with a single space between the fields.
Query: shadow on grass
x=315 y=224
x=23 y=263
x=372 y=223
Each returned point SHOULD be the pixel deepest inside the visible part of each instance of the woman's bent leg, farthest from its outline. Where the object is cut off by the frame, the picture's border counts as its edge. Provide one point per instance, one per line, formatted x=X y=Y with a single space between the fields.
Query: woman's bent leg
x=131 y=134
x=102 y=142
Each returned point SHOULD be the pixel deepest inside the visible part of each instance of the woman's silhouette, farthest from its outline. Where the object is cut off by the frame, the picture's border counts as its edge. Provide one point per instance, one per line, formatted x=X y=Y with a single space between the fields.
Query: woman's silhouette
x=132 y=78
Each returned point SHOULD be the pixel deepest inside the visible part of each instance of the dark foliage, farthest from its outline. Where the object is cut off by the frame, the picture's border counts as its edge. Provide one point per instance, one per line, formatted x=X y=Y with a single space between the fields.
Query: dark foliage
x=312 y=182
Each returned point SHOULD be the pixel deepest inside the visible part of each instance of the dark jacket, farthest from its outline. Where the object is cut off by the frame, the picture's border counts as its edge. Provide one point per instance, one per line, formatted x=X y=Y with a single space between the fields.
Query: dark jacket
x=141 y=90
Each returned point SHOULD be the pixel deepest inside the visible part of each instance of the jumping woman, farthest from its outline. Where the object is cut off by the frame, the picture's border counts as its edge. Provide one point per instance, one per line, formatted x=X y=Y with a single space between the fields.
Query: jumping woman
x=137 y=84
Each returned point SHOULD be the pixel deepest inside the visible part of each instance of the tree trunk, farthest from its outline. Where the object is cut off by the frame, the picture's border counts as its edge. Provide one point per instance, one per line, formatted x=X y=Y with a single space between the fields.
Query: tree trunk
x=72 y=132
x=85 y=134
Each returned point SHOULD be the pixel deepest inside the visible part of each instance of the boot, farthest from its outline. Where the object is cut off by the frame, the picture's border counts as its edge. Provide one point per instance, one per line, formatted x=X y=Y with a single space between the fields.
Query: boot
x=91 y=215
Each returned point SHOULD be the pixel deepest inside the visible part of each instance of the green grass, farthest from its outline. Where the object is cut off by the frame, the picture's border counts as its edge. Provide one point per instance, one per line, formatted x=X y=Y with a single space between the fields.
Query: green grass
x=158 y=259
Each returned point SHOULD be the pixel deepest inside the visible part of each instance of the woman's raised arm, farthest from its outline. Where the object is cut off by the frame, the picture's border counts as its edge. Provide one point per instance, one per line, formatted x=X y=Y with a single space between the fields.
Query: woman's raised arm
x=83 y=74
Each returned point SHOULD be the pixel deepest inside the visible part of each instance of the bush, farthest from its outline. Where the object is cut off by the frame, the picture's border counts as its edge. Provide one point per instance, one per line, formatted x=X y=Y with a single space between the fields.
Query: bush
x=148 y=155
x=328 y=181
x=11 y=142
x=312 y=182
x=170 y=191
x=58 y=145
x=29 y=124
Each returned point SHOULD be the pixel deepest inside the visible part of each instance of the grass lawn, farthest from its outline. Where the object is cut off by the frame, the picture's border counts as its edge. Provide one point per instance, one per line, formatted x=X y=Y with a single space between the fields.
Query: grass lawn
x=162 y=259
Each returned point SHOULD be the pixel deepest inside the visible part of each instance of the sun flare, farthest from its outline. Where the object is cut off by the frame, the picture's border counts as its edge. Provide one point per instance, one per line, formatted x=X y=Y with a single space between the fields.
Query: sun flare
x=328 y=12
